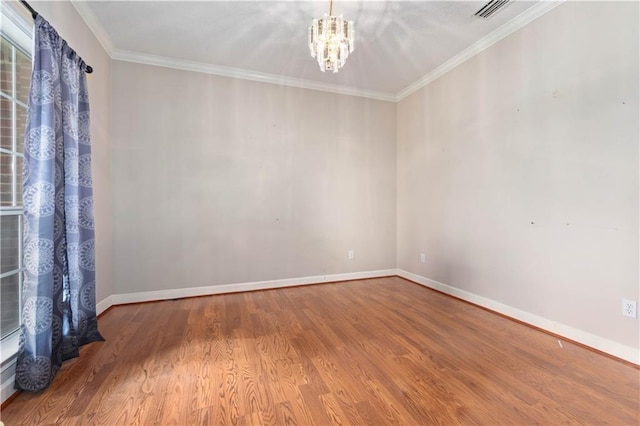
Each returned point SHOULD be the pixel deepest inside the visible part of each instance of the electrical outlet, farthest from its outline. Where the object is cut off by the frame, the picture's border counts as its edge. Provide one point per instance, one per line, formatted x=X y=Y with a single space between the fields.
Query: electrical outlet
x=629 y=308
x=423 y=258
x=350 y=254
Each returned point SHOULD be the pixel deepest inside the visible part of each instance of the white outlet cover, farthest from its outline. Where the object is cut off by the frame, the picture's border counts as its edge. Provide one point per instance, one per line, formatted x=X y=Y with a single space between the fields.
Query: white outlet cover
x=629 y=308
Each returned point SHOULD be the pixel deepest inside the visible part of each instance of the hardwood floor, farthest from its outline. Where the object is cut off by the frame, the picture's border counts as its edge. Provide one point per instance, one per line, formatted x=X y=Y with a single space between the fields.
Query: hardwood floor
x=361 y=352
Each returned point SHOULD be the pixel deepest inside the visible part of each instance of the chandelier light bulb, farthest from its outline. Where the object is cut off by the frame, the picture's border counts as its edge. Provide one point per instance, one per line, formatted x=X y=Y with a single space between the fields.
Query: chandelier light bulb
x=331 y=40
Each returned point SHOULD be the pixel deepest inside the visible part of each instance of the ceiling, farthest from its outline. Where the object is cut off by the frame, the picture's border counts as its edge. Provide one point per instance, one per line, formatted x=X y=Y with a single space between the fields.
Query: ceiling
x=397 y=42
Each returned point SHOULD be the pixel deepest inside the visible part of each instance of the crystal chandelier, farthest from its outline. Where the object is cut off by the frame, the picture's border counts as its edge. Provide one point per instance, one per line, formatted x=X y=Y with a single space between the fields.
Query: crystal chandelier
x=331 y=40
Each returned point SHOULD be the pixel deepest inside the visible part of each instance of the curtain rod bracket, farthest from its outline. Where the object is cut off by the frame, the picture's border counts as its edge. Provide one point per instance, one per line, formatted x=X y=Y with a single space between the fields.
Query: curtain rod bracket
x=29 y=8
x=88 y=69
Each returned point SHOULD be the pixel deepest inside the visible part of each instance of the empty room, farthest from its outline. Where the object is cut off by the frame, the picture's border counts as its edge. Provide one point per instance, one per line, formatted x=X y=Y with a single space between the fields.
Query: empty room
x=319 y=212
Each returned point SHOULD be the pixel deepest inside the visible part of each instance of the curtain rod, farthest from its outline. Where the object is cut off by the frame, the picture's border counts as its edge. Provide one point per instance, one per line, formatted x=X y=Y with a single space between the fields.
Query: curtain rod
x=88 y=69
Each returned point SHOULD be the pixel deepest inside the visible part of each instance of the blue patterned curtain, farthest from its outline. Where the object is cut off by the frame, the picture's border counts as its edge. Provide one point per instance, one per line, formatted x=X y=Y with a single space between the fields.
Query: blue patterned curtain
x=58 y=295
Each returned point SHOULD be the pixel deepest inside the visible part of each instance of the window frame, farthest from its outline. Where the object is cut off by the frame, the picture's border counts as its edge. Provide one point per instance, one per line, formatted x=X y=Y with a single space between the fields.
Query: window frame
x=17 y=28
x=15 y=209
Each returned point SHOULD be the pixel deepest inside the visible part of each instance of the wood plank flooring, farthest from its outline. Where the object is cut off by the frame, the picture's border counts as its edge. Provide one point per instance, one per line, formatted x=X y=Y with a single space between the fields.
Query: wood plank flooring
x=379 y=351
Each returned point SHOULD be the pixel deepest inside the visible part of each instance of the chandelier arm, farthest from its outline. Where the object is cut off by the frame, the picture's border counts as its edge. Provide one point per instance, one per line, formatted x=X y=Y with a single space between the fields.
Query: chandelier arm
x=330 y=7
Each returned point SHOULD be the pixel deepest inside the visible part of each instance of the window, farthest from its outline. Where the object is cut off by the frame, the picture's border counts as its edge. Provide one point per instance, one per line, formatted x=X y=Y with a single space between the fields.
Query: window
x=15 y=75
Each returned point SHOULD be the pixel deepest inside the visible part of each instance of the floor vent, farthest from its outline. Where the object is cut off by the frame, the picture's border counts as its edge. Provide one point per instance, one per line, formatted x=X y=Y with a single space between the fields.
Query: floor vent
x=489 y=9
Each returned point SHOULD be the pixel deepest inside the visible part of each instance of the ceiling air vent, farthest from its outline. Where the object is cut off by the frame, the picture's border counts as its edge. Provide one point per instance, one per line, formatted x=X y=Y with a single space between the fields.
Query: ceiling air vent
x=489 y=9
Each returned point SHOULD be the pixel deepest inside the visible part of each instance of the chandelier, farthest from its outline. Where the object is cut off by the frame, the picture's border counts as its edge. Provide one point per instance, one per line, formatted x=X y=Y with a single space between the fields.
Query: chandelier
x=331 y=40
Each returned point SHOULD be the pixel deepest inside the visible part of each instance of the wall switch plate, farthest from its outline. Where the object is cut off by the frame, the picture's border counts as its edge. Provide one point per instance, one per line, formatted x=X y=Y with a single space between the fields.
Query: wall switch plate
x=350 y=254
x=423 y=258
x=629 y=308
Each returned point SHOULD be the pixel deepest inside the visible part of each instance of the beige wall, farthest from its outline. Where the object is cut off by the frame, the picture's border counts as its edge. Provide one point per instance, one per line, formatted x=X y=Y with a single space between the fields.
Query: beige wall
x=221 y=181
x=63 y=16
x=518 y=171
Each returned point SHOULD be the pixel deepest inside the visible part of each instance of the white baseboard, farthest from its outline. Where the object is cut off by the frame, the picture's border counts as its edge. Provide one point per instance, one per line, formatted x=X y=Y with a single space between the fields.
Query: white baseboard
x=6 y=389
x=104 y=304
x=613 y=348
x=616 y=349
x=147 y=296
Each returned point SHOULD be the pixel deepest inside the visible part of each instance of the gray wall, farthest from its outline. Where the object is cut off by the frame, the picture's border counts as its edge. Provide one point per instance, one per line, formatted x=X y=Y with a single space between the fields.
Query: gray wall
x=518 y=171
x=221 y=181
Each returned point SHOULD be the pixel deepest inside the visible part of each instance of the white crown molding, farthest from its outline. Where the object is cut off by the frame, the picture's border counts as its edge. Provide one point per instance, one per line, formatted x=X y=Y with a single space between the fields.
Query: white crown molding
x=505 y=30
x=616 y=349
x=94 y=24
x=161 y=61
x=484 y=43
x=89 y=17
x=147 y=296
